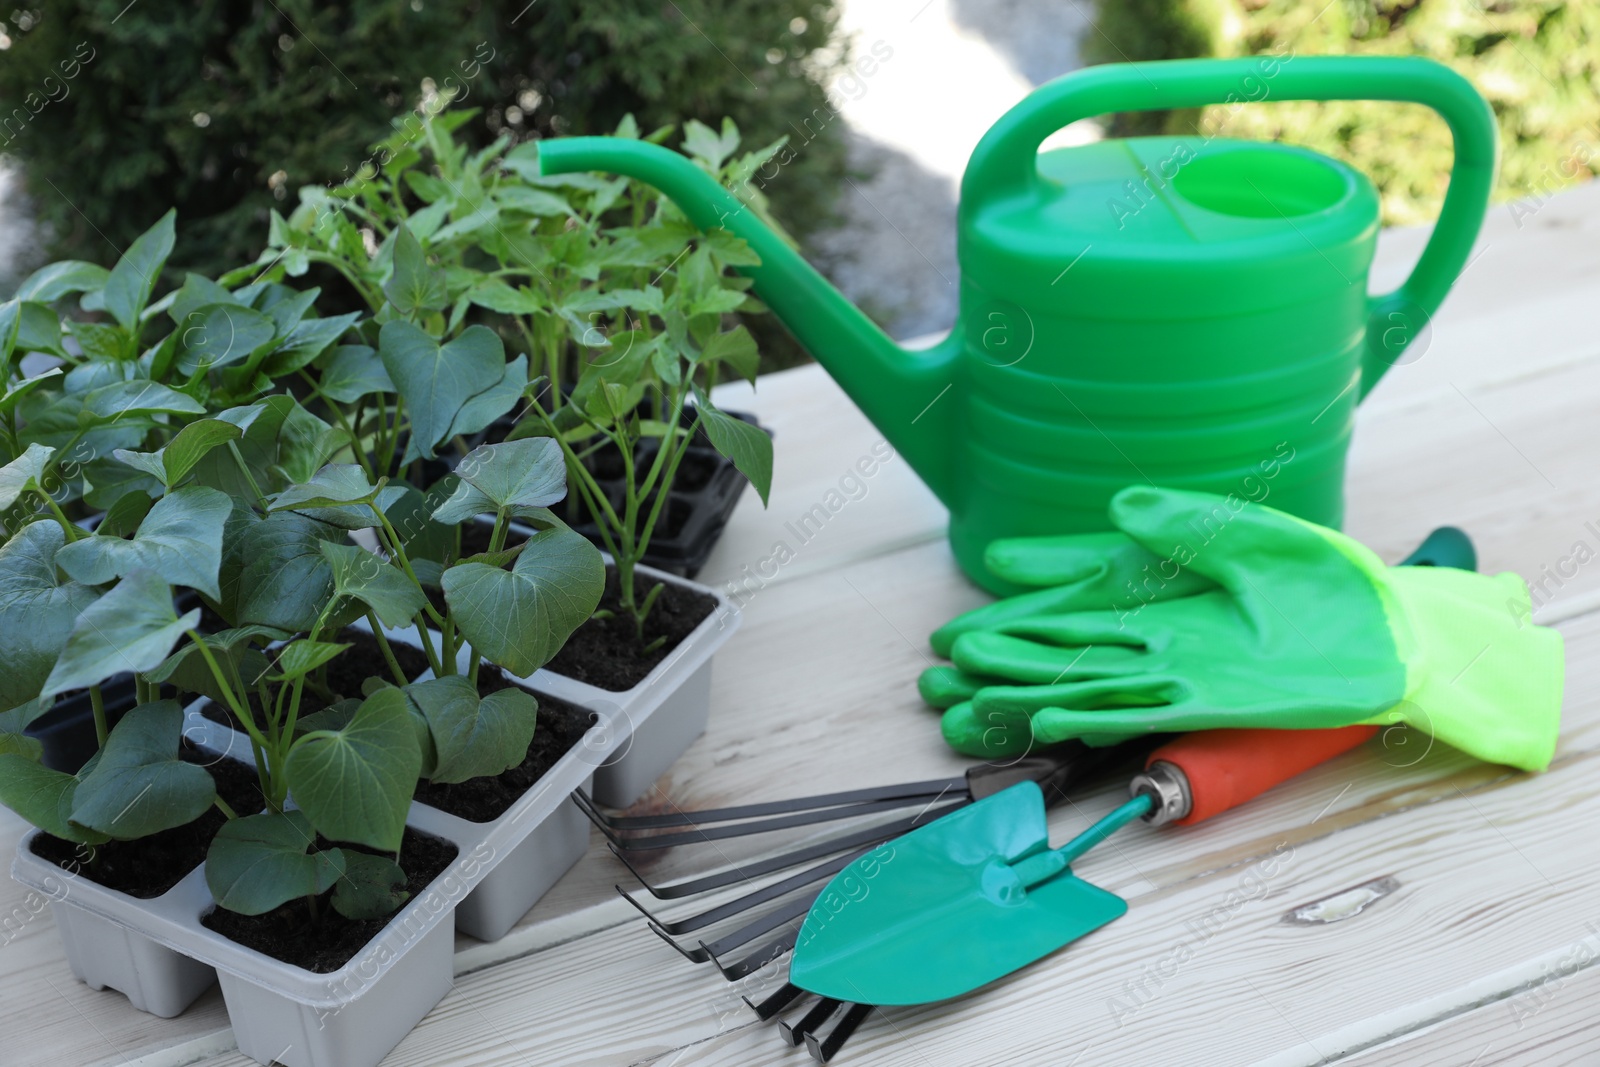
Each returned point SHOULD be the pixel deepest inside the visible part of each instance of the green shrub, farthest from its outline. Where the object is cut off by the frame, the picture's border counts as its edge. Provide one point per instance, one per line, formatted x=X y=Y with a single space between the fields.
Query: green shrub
x=224 y=110
x=1535 y=61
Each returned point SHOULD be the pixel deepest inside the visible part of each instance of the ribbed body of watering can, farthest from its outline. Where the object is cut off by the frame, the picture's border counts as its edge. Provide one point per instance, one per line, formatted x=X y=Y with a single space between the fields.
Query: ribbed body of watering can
x=1190 y=312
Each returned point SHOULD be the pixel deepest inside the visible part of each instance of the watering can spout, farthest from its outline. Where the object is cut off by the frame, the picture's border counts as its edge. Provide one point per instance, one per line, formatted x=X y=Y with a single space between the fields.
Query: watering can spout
x=898 y=390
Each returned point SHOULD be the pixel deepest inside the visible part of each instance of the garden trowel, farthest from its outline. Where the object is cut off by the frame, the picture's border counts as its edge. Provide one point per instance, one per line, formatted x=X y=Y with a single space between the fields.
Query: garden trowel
x=954 y=905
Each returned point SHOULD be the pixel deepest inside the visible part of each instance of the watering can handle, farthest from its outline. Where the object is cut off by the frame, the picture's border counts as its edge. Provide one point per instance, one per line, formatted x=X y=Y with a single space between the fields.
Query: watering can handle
x=1005 y=161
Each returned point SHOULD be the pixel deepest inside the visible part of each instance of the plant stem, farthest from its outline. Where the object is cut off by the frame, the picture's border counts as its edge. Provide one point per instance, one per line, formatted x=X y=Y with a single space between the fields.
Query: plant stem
x=497 y=536
x=388 y=652
x=427 y=650
x=222 y=806
x=67 y=527
x=398 y=549
x=238 y=707
x=98 y=705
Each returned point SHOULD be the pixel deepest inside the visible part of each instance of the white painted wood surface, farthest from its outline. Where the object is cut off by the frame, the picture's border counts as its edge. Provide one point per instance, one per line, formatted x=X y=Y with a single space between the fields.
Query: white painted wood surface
x=1483 y=954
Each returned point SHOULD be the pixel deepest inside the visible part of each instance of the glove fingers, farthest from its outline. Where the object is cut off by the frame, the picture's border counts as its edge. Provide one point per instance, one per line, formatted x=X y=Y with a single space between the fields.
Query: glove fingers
x=1056 y=601
x=943 y=687
x=1070 y=558
x=1018 y=660
x=1084 y=629
x=1133 y=697
x=986 y=735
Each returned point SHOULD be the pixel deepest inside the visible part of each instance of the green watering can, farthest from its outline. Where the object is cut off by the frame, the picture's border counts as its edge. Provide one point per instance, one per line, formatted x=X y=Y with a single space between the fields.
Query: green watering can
x=1187 y=312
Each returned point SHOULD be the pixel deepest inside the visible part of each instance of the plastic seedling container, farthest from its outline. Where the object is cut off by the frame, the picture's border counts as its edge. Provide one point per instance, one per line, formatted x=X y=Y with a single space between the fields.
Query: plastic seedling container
x=647 y=727
x=104 y=934
x=67 y=730
x=650 y=725
x=106 y=947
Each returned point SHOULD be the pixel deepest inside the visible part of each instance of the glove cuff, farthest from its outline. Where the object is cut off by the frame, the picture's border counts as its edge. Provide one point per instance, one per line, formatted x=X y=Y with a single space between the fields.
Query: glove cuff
x=1480 y=676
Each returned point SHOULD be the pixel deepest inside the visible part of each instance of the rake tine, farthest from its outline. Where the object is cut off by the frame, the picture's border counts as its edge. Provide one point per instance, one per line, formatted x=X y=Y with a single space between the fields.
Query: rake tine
x=867 y=838
x=824 y=1049
x=794 y=909
x=749 y=900
x=909 y=792
x=693 y=955
x=819 y=1014
x=759 y=958
x=760 y=826
x=782 y=998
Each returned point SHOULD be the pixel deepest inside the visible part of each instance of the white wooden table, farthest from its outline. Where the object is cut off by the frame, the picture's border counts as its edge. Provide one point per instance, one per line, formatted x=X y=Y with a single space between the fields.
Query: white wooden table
x=1479 y=953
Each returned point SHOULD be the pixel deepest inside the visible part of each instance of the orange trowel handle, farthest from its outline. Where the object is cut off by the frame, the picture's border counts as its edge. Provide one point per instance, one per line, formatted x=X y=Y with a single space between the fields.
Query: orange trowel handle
x=1225 y=768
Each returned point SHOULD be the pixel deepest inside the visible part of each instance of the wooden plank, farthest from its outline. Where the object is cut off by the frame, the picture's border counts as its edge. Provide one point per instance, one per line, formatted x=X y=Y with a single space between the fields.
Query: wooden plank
x=1548 y=1019
x=1470 y=905
x=1520 y=306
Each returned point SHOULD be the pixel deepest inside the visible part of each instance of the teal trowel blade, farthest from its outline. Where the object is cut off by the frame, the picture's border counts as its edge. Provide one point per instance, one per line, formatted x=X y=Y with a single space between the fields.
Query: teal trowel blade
x=936 y=913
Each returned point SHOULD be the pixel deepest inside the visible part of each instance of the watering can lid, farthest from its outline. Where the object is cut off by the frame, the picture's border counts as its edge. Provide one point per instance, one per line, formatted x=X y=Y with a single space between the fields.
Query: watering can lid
x=1189 y=191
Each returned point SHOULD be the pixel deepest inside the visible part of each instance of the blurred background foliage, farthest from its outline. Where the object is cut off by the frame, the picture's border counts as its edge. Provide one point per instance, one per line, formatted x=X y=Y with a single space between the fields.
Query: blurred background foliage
x=1536 y=61
x=225 y=108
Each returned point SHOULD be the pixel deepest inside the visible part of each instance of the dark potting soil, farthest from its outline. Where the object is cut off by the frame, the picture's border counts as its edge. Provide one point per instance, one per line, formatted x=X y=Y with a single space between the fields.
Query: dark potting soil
x=607 y=652
x=152 y=865
x=329 y=941
x=561 y=725
x=346 y=674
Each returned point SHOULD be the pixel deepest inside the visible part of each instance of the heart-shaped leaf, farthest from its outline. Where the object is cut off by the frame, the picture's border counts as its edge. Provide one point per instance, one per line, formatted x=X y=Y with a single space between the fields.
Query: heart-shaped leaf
x=173 y=463
x=258 y=862
x=299 y=658
x=180 y=540
x=747 y=446
x=139 y=786
x=355 y=784
x=219 y=335
x=305 y=443
x=305 y=342
x=414 y=286
x=130 y=629
x=338 y=494
x=43 y=797
x=520 y=618
x=107 y=481
x=473 y=738
x=436 y=381
x=282 y=579
x=37 y=610
x=372 y=887
x=480 y=411
x=352 y=372
x=127 y=289
x=139 y=398
x=411 y=515
x=376 y=583
x=23 y=473
x=516 y=475
x=15 y=721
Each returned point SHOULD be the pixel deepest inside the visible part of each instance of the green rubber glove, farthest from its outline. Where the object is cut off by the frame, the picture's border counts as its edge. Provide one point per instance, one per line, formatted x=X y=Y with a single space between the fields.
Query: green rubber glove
x=1266 y=621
